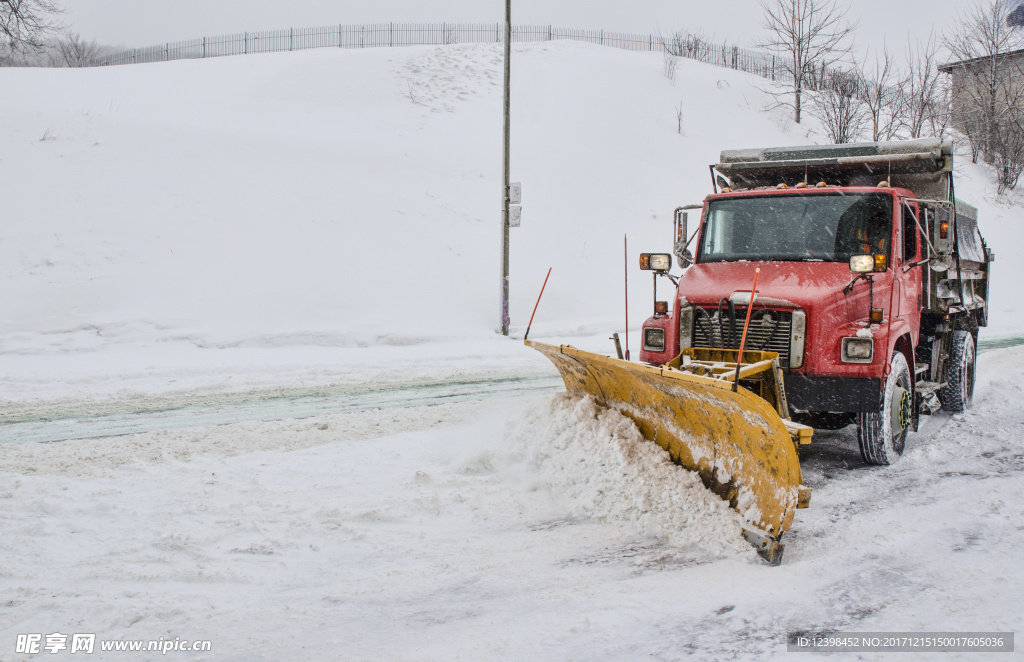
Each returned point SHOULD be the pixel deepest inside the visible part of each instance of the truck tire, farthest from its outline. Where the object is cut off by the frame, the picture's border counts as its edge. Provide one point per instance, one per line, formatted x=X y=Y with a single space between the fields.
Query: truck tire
x=882 y=434
x=959 y=391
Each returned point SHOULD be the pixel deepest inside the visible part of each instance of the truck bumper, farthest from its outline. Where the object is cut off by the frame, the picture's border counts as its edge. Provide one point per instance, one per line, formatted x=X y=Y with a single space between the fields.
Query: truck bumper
x=838 y=394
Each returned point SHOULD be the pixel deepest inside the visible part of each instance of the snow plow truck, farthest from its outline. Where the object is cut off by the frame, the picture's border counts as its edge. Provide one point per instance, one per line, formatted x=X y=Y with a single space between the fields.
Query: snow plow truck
x=827 y=286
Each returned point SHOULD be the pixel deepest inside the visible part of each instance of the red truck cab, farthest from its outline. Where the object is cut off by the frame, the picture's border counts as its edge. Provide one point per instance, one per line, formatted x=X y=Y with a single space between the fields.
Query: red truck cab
x=805 y=306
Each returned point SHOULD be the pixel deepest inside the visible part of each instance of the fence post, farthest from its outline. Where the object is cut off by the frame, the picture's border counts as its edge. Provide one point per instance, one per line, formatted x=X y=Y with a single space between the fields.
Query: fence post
x=391 y=34
x=204 y=46
x=167 y=52
x=602 y=37
x=549 y=32
x=291 y=39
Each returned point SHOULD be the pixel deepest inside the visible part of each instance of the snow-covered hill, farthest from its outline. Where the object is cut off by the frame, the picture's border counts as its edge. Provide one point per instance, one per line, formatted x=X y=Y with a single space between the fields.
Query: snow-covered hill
x=202 y=259
x=325 y=200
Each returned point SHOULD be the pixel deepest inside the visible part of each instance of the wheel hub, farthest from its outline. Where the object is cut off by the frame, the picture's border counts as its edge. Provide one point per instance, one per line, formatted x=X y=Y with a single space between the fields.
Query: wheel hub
x=902 y=404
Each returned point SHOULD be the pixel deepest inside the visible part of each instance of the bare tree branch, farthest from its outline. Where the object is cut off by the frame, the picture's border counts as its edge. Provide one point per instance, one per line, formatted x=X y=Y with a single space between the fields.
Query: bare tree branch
x=73 y=51
x=25 y=23
x=883 y=99
x=922 y=89
x=810 y=36
x=840 y=107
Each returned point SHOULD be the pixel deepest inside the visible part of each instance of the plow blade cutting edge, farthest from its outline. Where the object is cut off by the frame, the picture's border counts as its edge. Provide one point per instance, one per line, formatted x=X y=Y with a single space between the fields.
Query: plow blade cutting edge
x=738 y=442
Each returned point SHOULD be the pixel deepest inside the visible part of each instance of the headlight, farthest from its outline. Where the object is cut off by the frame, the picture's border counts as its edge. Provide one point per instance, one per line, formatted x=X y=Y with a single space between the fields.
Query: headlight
x=654 y=340
x=862 y=264
x=655 y=261
x=858 y=350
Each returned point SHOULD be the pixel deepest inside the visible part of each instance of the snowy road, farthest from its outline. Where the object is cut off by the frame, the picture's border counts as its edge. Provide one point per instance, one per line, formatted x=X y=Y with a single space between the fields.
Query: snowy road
x=484 y=527
x=69 y=420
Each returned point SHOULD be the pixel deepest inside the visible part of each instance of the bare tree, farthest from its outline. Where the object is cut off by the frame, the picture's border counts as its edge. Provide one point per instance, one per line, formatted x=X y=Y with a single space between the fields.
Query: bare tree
x=670 y=66
x=810 y=36
x=73 y=51
x=685 y=44
x=674 y=44
x=941 y=115
x=883 y=100
x=924 y=91
x=25 y=23
x=988 y=84
x=840 y=107
x=1008 y=155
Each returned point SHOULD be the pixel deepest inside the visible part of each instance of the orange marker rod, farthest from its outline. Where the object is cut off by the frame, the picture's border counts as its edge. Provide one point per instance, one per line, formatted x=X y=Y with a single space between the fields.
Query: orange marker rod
x=743 y=339
x=527 y=334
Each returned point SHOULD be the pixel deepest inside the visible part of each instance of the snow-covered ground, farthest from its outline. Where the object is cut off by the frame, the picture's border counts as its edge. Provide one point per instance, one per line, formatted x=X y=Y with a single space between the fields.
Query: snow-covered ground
x=257 y=297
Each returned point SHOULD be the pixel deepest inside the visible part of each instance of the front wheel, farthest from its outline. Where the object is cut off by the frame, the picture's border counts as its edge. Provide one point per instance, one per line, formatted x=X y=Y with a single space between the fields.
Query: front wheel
x=882 y=434
x=959 y=391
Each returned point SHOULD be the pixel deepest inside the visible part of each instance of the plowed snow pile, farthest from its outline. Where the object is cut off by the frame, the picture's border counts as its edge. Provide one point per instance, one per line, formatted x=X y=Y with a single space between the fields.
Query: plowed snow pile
x=603 y=467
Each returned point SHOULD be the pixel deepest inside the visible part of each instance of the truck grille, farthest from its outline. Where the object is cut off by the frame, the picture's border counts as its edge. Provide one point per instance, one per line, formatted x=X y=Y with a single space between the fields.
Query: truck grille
x=770 y=330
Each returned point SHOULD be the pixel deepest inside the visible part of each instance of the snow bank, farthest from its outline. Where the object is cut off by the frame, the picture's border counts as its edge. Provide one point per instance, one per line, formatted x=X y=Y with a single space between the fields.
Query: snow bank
x=597 y=461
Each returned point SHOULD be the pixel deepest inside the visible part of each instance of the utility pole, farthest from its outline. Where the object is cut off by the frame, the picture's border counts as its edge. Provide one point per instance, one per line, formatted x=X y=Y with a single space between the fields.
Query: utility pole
x=505 y=179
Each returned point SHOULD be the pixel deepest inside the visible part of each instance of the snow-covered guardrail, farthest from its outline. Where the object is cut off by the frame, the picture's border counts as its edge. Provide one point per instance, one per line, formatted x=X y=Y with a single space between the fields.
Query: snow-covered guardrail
x=436 y=34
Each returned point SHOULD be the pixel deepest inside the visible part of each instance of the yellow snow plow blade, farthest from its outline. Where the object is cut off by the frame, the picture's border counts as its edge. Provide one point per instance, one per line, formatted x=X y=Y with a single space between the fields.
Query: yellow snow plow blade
x=739 y=442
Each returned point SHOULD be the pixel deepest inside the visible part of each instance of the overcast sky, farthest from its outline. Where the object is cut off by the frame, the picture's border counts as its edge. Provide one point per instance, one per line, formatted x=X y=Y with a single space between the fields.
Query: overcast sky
x=143 y=22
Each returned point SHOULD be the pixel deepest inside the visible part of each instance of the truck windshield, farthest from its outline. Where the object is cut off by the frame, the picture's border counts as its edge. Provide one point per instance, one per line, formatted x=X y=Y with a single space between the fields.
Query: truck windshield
x=824 y=226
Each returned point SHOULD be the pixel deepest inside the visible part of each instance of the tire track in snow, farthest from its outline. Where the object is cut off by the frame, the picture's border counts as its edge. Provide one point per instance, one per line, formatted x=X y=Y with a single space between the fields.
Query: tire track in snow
x=117 y=418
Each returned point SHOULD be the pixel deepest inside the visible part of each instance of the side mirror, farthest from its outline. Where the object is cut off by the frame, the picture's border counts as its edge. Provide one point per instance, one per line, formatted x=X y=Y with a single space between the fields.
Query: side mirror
x=682 y=253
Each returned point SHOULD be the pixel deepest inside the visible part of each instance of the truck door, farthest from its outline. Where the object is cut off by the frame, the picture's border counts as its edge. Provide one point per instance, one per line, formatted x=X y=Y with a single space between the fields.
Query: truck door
x=909 y=252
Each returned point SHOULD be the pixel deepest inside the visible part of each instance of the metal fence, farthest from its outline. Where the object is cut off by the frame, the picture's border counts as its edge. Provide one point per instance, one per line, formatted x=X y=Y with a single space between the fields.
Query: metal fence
x=436 y=34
